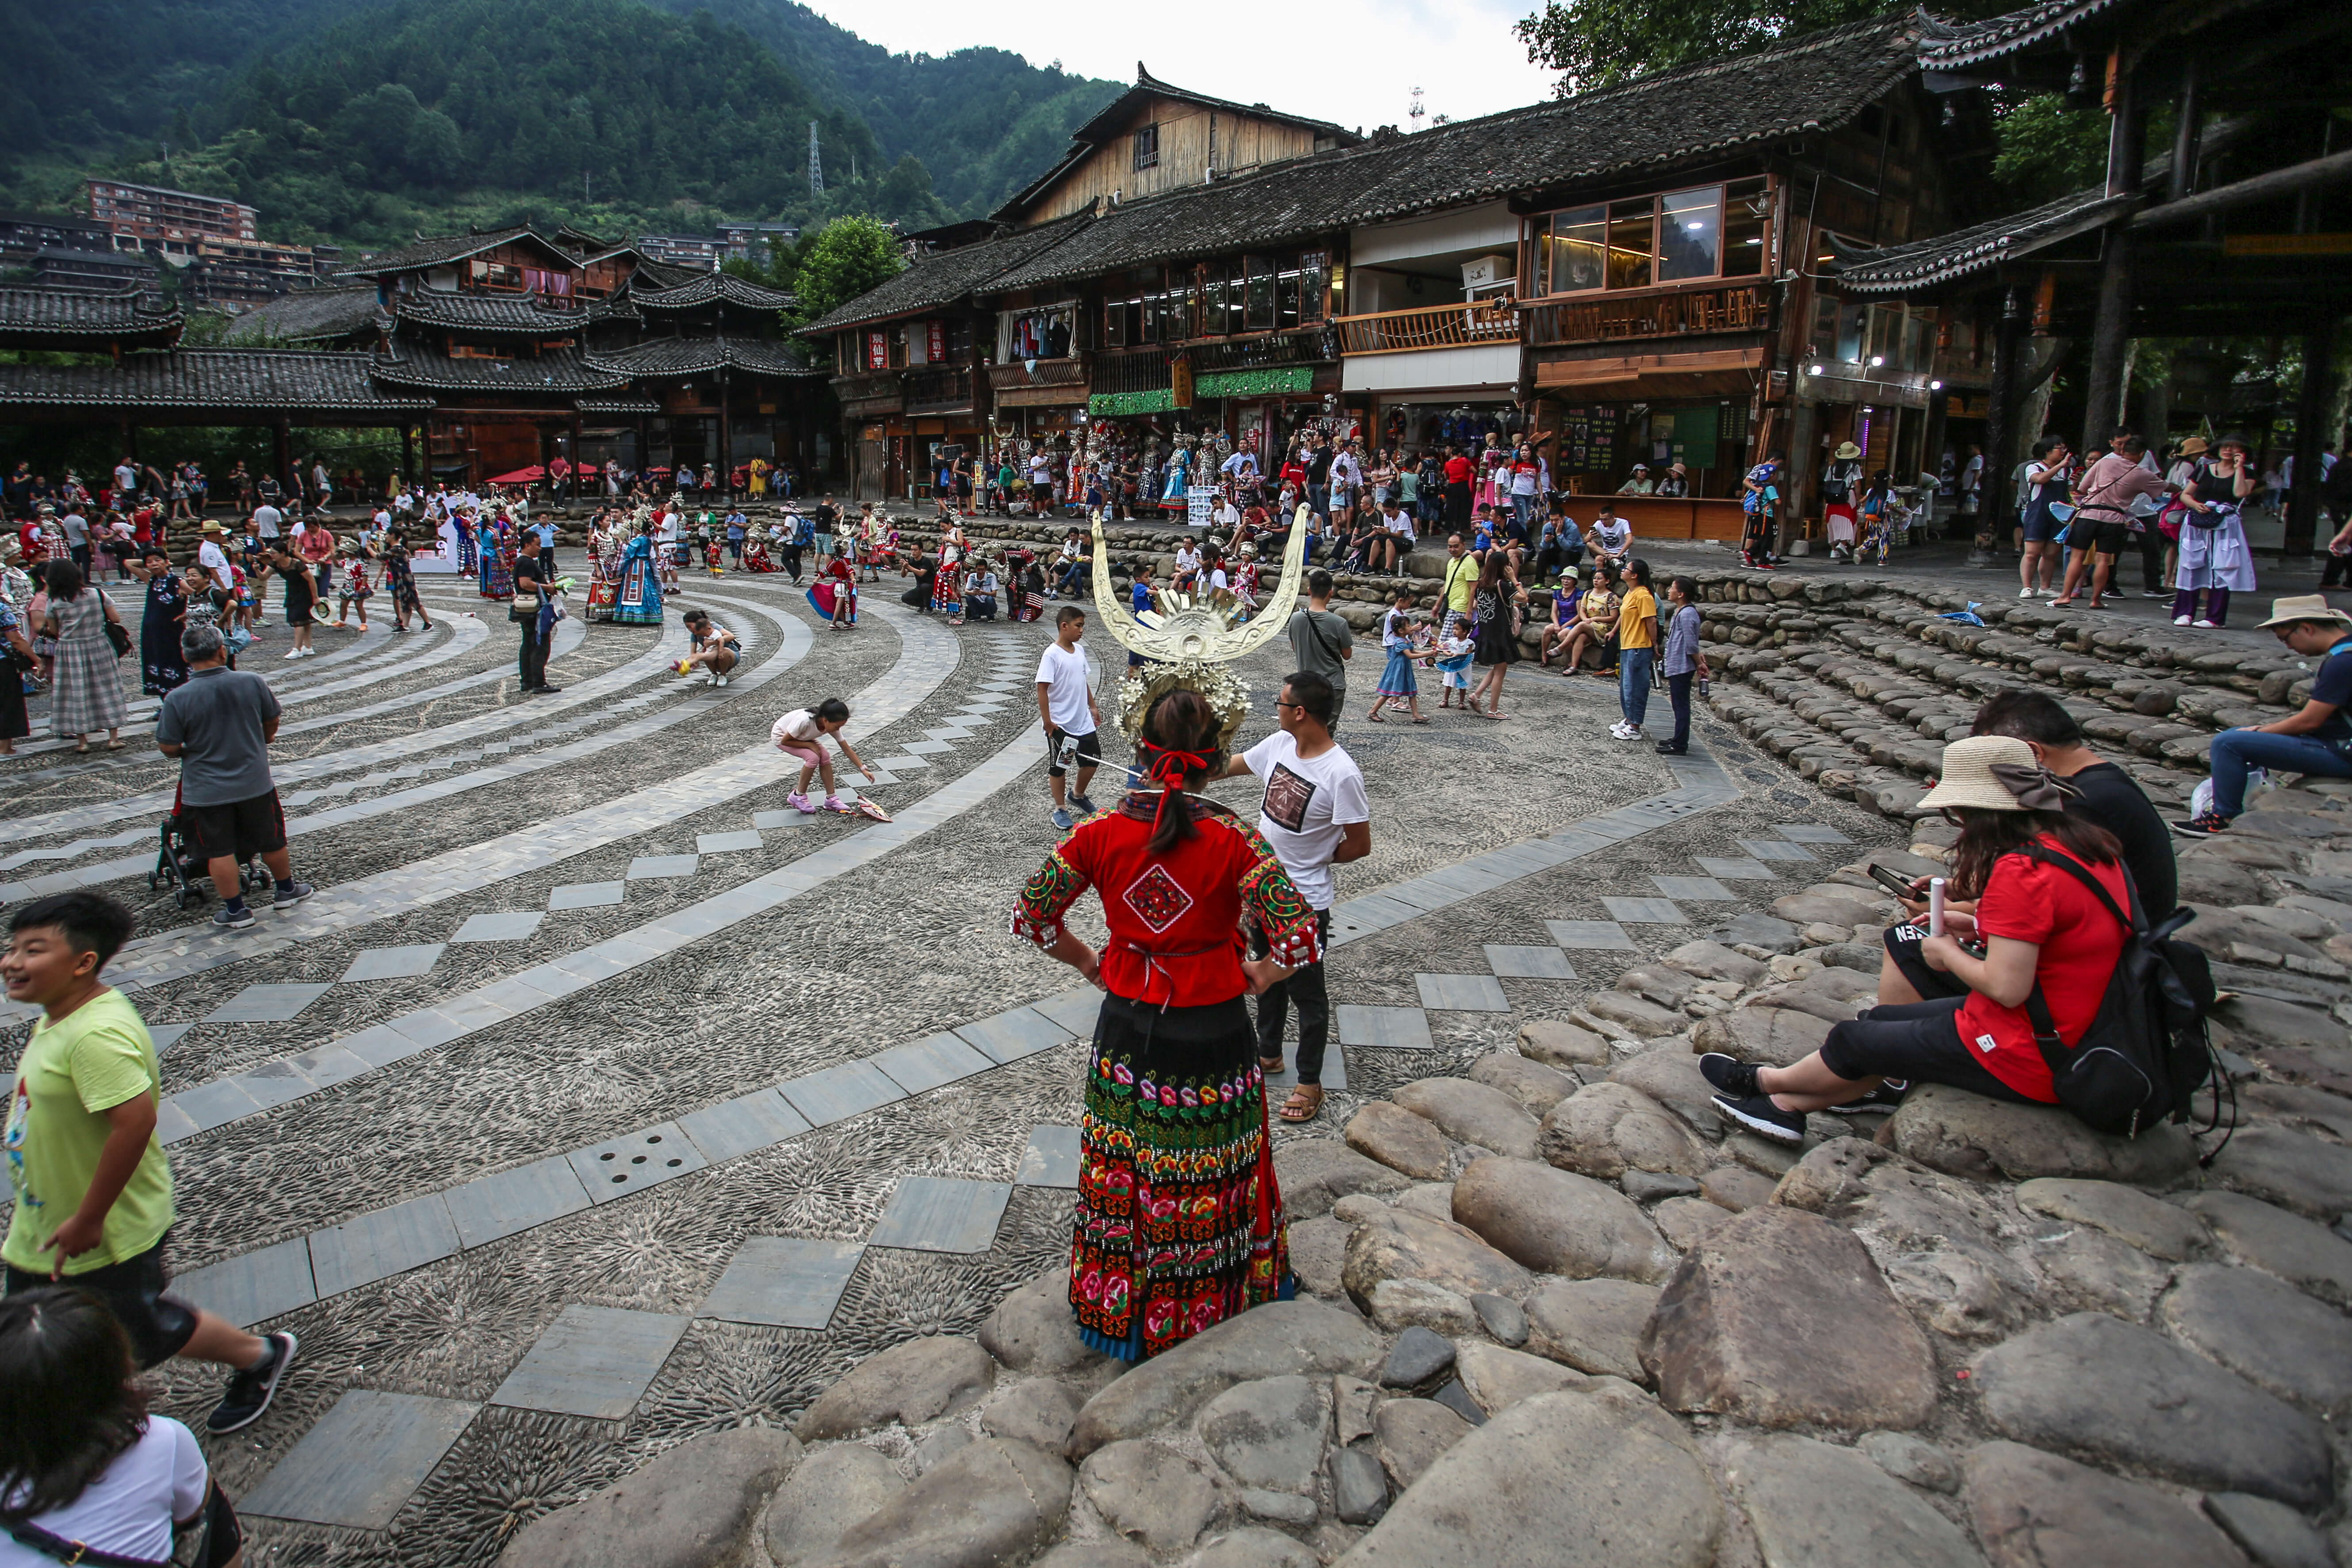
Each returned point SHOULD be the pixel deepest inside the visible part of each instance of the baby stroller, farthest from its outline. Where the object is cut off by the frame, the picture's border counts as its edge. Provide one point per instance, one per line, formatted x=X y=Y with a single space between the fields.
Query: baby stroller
x=189 y=877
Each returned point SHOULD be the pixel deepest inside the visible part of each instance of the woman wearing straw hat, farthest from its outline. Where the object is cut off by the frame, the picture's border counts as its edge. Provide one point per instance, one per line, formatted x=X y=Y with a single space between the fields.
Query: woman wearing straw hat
x=1840 y=492
x=2315 y=738
x=2035 y=925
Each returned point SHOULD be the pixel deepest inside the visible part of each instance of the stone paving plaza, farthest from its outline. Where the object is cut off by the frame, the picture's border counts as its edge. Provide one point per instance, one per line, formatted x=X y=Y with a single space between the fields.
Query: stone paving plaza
x=598 y=1100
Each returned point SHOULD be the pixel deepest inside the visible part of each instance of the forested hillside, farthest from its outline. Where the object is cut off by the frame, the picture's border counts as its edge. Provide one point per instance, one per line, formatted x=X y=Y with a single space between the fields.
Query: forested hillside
x=361 y=120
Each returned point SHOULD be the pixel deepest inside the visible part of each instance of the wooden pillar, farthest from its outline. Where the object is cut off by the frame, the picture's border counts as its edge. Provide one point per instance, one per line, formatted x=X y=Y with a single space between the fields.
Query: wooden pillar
x=726 y=440
x=575 y=457
x=281 y=457
x=2310 y=409
x=1993 y=500
x=2183 y=172
x=2111 y=322
x=407 y=452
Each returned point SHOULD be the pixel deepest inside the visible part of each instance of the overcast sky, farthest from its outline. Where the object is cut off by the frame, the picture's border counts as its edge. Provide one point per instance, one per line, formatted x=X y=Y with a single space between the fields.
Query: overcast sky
x=1355 y=65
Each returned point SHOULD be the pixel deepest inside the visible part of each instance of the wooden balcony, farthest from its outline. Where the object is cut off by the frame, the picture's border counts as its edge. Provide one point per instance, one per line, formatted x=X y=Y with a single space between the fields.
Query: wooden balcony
x=1476 y=324
x=1012 y=377
x=874 y=392
x=940 y=389
x=1650 y=313
x=1131 y=370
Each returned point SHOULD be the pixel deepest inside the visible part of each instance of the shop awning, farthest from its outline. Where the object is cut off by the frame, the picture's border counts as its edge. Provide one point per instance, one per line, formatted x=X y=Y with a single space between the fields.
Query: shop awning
x=1615 y=377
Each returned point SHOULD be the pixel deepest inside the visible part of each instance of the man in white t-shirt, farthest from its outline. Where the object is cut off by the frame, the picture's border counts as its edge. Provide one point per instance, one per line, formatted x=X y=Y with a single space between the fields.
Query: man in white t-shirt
x=265 y=519
x=213 y=558
x=1065 y=703
x=1315 y=815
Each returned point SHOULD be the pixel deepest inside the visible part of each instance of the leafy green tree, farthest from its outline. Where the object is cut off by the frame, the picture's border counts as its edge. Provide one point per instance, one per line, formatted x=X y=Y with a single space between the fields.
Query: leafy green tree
x=2048 y=149
x=1600 y=43
x=433 y=152
x=849 y=257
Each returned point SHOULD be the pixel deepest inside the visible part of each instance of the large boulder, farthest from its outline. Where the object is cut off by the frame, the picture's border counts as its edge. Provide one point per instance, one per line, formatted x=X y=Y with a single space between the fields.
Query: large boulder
x=1033 y=1330
x=838 y=1485
x=1559 y=1480
x=2130 y=1216
x=911 y=1382
x=1556 y=1221
x=2033 y=1510
x=1401 y=1244
x=1769 y=1036
x=1473 y=1113
x=1780 y=1318
x=1713 y=961
x=1635 y=1016
x=1560 y=1044
x=1593 y=1325
x=1669 y=1074
x=1399 y=1139
x=2094 y=1384
x=989 y=1502
x=1272 y=1340
x=1269 y=1432
x=2266 y=1331
x=1815 y=1505
x=1410 y=1434
x=1532 y=1084
x=1315 y=1173
x=1607 y=1128
x=691 y=1507
x=1151 y=1494
x=1498 y=1378
x=1985 y=1139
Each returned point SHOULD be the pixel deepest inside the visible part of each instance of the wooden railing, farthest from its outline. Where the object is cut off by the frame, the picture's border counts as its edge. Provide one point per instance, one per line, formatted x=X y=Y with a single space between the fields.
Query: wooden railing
x=1472 y=325
x=1070 y=372
x=943 y=386
x=1305 y=346
x=1664 y=313
x=1131 y=370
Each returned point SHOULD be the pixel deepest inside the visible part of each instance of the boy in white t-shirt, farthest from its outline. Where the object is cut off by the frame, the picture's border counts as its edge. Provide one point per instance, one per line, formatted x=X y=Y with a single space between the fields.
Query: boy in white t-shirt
x=1065 y=703
x=1315 y=815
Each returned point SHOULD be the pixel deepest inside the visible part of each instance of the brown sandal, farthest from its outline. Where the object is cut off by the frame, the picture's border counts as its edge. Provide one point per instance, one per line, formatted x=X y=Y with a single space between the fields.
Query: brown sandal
x=1270 y=1066
x=1305 y=1104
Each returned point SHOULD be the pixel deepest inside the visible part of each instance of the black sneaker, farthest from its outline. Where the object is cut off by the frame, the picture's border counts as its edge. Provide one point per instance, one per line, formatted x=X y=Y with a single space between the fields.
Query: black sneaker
x=2205 y=825
x=1729 y=1074
x=1758 y=1114
x=249 y=1391
x=290 y=895
x=1885 y=1097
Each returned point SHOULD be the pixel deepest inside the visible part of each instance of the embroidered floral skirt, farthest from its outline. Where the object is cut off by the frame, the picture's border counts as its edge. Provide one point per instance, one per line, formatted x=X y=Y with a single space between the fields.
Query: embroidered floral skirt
x=1179 y=1218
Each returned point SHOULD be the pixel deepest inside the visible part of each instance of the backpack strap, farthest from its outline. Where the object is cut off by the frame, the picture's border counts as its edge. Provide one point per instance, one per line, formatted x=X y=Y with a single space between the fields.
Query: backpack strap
x=2054 y=1050
x=33 y=1538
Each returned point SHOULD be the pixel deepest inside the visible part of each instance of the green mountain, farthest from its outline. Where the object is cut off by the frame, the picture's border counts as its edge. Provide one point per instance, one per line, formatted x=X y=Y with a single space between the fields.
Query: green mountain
x=363 y=120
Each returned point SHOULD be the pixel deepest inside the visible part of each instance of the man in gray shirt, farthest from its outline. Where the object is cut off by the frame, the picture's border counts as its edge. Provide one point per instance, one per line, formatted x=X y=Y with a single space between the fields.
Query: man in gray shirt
x=219 y=724
x=77 y=533
x=1322 y=642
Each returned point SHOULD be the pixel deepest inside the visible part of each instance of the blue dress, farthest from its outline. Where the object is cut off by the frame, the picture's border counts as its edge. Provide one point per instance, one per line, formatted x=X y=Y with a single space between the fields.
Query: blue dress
x=162 y=666
x=639 y=600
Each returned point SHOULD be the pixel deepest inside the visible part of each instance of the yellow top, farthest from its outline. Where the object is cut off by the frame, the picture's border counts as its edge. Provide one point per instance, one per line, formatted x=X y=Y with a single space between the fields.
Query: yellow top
x=1637 y=619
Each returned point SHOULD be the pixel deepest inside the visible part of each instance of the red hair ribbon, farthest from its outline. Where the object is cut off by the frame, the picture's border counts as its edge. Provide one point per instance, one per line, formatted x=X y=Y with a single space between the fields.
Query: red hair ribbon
x=1168 y=769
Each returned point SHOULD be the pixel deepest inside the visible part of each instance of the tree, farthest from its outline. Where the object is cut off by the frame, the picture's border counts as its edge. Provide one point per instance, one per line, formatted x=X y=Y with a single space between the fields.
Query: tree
x=1598 y=43
x=2048 y=149
x=849 y=257
x=434 y=154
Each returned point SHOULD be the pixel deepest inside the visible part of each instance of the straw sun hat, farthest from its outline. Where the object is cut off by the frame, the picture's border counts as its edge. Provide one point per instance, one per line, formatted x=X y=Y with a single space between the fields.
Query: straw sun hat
x=2304 y=607
x=1993 y=773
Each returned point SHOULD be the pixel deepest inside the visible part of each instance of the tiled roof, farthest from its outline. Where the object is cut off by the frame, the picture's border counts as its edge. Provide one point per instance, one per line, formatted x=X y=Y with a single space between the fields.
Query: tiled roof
x=494 y=313
x=271 y=379
x=660 y=274
x=621 y=405
x=1896 y=268
x=1795 y=86
x=711 y=287
x=311 y=315
x=697 y=356
x=560 y=369
x=83 y=314
x=1951 y=47
x=1109 y=116
x=944 y=277
x=442 y=249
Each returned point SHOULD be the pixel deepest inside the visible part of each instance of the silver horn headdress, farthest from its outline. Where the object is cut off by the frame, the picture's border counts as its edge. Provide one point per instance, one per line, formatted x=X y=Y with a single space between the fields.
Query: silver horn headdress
x=1187 y=637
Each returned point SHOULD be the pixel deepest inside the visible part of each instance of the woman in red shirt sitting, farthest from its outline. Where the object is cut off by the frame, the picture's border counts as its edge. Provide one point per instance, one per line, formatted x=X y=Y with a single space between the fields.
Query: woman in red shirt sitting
x=1179 y=1222
x=2036 y=926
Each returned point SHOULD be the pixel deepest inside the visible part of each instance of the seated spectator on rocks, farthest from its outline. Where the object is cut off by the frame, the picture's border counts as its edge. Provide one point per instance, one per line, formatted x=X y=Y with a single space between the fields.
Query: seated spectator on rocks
x=2033 y=926
x=2317 y=740
x=1565 y=618
x=2105 y=794
x=86 y=1473
x=1597 y=623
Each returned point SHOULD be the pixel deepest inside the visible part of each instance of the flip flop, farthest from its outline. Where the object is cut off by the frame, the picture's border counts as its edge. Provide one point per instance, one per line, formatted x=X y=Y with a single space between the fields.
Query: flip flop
x=1374 y=718
x=865 y=807
x=1419 y=720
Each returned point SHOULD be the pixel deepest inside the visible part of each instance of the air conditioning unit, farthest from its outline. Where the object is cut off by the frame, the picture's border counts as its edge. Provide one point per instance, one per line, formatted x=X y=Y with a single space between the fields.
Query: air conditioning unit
x=1487 y=272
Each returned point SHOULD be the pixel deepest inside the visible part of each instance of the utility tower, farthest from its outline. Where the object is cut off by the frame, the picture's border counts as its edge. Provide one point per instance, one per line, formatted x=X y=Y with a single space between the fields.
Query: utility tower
x=816 y=165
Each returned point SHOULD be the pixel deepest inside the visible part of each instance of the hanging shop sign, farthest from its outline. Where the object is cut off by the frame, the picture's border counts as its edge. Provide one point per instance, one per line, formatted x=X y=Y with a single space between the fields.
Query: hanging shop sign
x=1179 y=381
x=1253 y=383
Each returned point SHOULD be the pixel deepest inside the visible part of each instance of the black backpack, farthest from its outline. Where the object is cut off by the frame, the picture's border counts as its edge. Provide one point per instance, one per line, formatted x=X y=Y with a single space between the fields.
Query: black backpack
x=2145 y=1054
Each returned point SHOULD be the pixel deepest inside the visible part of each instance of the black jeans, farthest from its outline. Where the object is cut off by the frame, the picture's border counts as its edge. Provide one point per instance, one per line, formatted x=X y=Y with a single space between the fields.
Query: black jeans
x=1678 y=691
x=792 y=554
x=533 y=661
x=2151 y=560
x=1304 y=989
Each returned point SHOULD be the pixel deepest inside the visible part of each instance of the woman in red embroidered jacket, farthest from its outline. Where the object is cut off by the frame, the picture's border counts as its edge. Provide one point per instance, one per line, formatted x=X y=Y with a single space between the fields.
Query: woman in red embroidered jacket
x=1179 y=1219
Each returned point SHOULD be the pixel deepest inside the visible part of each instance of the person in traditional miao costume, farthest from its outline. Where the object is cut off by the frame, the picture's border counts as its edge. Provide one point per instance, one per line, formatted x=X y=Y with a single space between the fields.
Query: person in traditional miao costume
x=872 y=546
x=639 y=601
x=755 y=553
x=1179 y=1222
x=833 y=594
x=947 y=588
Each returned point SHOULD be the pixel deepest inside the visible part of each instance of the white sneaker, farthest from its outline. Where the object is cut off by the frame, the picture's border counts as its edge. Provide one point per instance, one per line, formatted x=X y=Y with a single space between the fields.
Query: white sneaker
x=296 y=652
x=2181 y=620
x=2049 y=593
x=2025 y=592
x=2207 y=626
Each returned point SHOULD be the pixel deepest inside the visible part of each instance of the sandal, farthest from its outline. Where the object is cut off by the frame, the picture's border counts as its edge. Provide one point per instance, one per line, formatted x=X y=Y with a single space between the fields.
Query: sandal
x=1305 y=1103
x=1374 y=718
x=1270 y=1066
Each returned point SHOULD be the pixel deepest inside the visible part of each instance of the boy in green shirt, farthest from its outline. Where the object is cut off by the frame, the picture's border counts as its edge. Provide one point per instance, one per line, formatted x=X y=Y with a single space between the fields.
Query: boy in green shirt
x=93 y=1188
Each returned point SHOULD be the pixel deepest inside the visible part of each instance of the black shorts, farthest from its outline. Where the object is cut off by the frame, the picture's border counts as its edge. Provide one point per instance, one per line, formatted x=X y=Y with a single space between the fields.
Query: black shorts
x=1089 y=750
x=1902 y=942
x=1916 y=1042
x=2100 y=536
x=239 y=829
x=159 y=1326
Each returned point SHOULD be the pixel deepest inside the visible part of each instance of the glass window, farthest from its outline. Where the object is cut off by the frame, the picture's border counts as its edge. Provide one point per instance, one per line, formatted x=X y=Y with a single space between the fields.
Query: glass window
x=1570 y=257
x=1849 y=334
x=1919 y=341
x=1746 y=218
x=1146 y=147
x=1690 y=234
x=1825 y=324
x=1286 y=295
x=1632 y=234
x=1258 y=314
x=1115 y=323
x=1314 y=285
x=1885 y=346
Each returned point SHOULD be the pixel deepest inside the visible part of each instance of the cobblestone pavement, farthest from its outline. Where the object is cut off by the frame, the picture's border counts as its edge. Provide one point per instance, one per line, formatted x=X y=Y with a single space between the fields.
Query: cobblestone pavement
x=598 y=1100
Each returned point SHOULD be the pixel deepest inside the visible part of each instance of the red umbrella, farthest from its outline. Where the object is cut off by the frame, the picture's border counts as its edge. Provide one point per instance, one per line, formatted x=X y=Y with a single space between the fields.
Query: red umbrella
x=529 y=476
